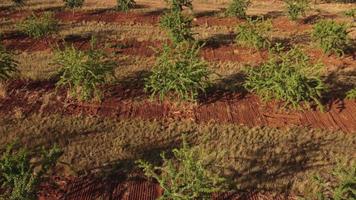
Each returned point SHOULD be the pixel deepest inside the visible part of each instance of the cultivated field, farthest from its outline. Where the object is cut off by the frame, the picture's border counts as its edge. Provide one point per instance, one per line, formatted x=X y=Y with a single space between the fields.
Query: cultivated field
x=265 y=100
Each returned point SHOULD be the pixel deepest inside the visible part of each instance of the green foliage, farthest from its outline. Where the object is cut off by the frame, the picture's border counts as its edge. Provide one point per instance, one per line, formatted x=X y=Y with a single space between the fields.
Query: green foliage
x=331 y=36
x=351 y=13
x=178 y=5
x=340 y=184
x=237 y=8
x=20 y=176
x=178 y=25
x=297 y=8
x=179 y=70
x=254 y=33
x=288 y=76
x=351 y=94
x=83 y=71
x=38 y=26
x=8 y=65
x=125 y=5
x=73 y=3
x=18 y=2
x=185 y=177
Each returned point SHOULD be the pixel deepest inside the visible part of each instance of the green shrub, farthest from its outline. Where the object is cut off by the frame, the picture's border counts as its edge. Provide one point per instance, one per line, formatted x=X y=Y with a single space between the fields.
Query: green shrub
x=8 y=65
x=185 y=177
x=297 y=8
x=351 y=94
x=179 y=70
x=38 y=26
x=73 y=3
x=289 y=77
x=351 y=13
x=83 y=71
x=125 y=5
x=254 y=33
x=177 y=5
x=20 y=176
x=331 y=36
x=340 y=184
x=178 y=25
x=237 y=8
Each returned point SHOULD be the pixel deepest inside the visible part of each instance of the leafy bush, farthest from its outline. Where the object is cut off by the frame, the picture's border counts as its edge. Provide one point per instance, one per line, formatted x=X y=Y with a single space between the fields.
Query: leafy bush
x=73 y=3
x=7 y=64
x=340 y=184
x=177 y=5
x=185 y=177
x=83 y=71
x=289 y=77
x=254 y=33
x=351 y=94
x=18 y=2
x=125 y=5
x=351 y=13
x=331 y=36
x=20 y=176
x=179 y=70
x=38 y=26
x=237 y=8
x=178 y=26
x=297 y=8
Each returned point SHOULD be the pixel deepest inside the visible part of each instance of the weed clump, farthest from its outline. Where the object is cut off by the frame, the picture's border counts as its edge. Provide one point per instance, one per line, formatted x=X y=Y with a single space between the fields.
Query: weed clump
x=185 y=176
x=73 y=3
x=38 y=26
x=237 y=8
x=296 y=8
x=254 y=33
x=179 y=70
x=351 y=94
x=125 y=5
x=289 y=77
x=178 y=5
x=331 y=36
x=83 y=71
x=8 y=65
x=20 y=176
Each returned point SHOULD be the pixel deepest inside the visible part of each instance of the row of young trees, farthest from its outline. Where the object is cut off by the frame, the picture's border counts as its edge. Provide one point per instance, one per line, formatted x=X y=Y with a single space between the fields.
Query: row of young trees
x=288 y=75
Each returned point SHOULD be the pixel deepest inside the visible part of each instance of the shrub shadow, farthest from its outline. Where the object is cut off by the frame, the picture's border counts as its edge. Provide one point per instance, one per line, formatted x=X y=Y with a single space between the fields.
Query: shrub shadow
x=218 y=40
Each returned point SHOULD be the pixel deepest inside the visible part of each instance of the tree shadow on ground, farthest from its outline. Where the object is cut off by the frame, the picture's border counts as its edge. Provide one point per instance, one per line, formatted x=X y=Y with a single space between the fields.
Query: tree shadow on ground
x=156 y=12
x=209 y=13
x=217 y=40
x=266 y=173
x=225 y=89
x=268 y=15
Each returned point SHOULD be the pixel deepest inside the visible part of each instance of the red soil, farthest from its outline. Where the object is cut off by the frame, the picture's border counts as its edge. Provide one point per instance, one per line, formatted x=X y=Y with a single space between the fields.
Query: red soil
x=123 y=102
x=119 y=188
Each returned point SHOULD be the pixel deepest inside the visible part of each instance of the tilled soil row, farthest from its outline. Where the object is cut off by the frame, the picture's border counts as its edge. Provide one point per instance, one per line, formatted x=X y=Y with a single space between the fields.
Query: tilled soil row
x=30 y=98
x=212 y=52
x=134 y=189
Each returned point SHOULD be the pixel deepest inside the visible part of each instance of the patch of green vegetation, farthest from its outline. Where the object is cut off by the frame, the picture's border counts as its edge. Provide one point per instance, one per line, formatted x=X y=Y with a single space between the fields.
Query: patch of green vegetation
x=38 y=26
x=331 y=36
x=337 y=184
x=296 y=8
x=178 y=5
x=178 y=26
x=289 y=77
x=83 y=71
x=351 y=13
x=20 y=176
x=186 y=176
x=179 y=70
x=8 y=65
x=237 y=8
x=73 y=3
x=254 y=33
x=351 y=94
x=125 y=5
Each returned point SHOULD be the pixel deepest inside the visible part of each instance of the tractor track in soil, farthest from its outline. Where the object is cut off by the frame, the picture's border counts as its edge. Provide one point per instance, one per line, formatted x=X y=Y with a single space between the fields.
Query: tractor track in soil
x=123 y=102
